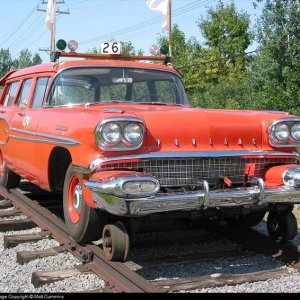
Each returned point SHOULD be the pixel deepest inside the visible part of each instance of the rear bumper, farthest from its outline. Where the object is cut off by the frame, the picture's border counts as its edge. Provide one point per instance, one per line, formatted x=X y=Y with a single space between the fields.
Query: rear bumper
x=257 y=195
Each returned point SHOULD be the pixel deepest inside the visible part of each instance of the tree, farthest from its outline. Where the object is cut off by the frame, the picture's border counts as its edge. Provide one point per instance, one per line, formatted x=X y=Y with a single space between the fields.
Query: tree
x=227 y=37
x=24 y=59
x=276 y=69
x=128 y=49
x=6 y=62
x=222 y=65
x=185 y=56
x=36 y=60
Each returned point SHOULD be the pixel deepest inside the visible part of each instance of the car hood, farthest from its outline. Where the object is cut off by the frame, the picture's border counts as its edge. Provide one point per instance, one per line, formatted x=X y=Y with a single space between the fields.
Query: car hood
x=178 y=128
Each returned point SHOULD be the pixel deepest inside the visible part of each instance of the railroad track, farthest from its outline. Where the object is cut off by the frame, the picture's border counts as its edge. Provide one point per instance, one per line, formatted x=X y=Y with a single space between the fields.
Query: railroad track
x=138 y=275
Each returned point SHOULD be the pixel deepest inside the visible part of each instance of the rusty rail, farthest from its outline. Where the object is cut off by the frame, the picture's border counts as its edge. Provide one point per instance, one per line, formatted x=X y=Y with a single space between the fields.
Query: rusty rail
x=117 y=276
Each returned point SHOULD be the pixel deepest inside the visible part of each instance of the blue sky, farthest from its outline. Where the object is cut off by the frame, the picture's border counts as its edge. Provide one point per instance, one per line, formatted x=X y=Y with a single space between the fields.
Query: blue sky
x=91 y=22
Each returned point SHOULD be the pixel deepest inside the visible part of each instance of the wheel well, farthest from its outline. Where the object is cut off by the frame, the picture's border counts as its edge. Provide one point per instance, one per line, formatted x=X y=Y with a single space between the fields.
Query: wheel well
x=59 y=162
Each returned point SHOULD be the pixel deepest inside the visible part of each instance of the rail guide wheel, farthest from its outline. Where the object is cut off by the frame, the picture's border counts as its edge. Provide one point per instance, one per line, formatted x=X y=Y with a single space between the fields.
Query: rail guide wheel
x=282 y=227
x=115 y=240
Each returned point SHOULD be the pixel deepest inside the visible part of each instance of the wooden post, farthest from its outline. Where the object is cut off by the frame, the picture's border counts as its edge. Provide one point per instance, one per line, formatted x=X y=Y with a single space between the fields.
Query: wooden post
x=53 y=31
x=170 y=27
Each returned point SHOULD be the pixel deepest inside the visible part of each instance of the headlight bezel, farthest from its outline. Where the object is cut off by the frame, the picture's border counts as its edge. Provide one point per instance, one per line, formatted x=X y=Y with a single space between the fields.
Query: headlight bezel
x=124 y=144
x=290 y=140
x=104 y=135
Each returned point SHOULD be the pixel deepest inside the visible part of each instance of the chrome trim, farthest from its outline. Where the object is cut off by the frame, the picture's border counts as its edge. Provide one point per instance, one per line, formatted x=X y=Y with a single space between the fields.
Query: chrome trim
x=56 y=139
x=199 y=154
x=256 y=196
x=113 y=110
x=289 y=142
x=121 y=145
x=121 y=119
x=115 y=186
x=291 y=176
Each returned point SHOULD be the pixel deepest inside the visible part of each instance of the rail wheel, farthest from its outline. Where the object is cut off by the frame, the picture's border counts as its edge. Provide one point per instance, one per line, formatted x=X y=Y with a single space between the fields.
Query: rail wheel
x=8 y=178
x=115 y=240
x=84 y=223
x=282 y=226
x=250 y=220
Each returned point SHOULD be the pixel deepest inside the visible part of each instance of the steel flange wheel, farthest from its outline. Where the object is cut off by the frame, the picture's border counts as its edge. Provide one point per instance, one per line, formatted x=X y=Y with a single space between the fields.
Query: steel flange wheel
x=115 y=241
x=282 y=226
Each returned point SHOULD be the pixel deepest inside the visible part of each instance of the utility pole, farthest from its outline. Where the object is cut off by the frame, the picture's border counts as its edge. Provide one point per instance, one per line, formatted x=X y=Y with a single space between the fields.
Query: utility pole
x=53 y=31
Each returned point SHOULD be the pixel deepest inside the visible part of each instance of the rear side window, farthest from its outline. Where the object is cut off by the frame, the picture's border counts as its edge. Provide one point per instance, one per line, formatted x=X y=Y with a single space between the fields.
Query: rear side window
x=39 y=93
x=24 y=95
x=11 y=93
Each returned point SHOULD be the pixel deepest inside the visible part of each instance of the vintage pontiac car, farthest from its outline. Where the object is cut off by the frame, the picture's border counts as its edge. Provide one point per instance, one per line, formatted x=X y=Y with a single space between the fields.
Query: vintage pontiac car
x=120 y=141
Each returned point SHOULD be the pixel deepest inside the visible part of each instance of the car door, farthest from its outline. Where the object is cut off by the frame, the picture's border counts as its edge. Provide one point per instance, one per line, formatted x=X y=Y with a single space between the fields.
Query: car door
x=24 y=125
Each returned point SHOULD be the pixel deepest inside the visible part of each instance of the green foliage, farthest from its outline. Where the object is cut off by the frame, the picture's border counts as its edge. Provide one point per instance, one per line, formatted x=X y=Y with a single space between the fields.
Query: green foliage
x=25 y=60
x=277 y=66
x=6 y=62
x=226 y=31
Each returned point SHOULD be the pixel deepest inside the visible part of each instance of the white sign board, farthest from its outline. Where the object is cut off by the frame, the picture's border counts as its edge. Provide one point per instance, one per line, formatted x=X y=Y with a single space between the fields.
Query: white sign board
x=111 y=48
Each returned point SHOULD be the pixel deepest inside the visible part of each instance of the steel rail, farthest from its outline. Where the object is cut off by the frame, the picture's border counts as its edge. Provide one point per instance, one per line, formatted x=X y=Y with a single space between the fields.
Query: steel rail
x=118 y=277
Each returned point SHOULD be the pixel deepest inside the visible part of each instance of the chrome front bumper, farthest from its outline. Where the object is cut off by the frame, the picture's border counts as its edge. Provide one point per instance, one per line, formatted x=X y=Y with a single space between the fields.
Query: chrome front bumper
x=257 y=195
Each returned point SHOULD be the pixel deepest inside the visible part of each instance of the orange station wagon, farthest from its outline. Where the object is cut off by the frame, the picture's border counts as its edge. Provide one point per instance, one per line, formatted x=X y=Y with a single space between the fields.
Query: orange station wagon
x=119 y=139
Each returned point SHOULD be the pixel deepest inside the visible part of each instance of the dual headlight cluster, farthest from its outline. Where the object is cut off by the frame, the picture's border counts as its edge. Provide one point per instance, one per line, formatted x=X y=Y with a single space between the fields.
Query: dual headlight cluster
x=285 y=132
x=120 y=134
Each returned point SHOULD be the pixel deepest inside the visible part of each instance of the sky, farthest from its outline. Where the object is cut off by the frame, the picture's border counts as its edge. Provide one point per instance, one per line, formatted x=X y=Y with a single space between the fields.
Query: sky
x=90 y=22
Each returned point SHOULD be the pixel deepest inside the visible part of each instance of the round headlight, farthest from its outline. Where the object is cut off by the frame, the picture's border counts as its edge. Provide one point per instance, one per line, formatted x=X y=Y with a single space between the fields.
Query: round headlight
x=111 y=133
x=133 y=133
x=281 y=132
x=295 y=131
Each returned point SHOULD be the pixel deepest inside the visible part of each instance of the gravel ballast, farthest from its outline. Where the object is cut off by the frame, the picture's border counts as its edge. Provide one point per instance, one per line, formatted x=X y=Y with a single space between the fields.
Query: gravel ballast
x=16 y=278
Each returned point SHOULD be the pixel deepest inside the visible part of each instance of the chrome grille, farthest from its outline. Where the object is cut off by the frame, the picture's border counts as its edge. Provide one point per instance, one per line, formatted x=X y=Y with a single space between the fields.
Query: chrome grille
x=190 y=172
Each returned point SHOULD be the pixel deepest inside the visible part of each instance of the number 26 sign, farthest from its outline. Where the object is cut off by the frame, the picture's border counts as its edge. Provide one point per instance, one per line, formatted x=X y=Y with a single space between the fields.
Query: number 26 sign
x=111 y=48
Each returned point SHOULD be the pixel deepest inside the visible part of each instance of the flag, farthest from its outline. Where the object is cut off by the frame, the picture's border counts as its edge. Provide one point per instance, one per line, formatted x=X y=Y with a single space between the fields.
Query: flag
x=163 y=7
x=50 y=14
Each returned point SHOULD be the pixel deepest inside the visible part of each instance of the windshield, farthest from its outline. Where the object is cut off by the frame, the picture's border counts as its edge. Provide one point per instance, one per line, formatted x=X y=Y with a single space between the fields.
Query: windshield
x=88 y=85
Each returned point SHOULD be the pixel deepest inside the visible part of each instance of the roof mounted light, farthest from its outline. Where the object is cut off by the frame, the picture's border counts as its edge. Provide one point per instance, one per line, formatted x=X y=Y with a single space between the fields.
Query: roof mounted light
x=164 y=50
x=154 y=50
x=61 y=45
x=73 y=45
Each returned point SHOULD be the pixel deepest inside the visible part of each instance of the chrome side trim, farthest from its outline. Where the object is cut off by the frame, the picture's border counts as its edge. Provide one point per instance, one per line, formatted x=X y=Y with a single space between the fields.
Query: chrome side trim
x=49 y=139
x=180 y=155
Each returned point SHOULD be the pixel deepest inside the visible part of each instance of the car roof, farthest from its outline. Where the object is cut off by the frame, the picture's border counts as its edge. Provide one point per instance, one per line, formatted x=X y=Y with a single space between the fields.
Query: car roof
x=59 y=66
